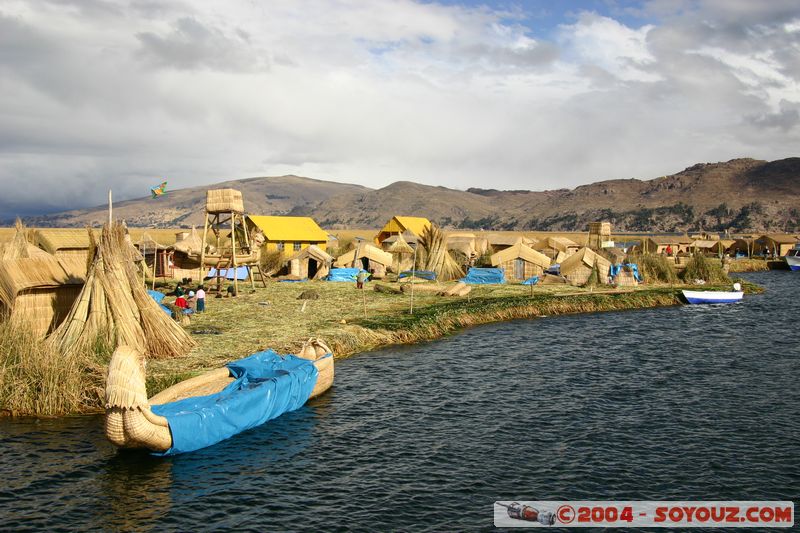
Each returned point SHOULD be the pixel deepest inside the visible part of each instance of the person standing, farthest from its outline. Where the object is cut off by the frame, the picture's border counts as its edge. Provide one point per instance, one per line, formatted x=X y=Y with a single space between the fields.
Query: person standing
x=360 y=279
x=200 y=299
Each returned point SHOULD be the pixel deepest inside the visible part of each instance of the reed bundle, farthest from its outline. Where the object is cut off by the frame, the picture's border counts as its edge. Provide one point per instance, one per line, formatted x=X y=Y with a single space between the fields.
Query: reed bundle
x=18 y=247
x=114 y=308
x=435 y=256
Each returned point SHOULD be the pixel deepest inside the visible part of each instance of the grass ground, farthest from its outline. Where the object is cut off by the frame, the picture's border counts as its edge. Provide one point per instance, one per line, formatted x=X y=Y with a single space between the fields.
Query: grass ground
x=352 y=321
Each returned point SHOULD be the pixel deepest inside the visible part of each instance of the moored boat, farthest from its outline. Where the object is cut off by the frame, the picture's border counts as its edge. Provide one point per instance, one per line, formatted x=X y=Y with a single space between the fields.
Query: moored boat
x=209 y=408
x=714 y=297
x=792 y=258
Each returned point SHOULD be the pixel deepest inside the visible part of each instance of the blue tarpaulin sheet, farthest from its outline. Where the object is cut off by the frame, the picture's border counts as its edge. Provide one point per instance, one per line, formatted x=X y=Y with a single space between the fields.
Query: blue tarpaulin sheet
x=616 y=269
x=344 y=274
x=484 y=276
x=421 y=274
x=554 y=269
x=227 y=273
x=533 y=280
x=266 y=386
x=158 y=297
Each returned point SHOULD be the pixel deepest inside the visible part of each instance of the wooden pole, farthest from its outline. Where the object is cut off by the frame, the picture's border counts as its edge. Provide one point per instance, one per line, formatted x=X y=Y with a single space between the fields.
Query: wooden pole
x=155 y=261
x=203 y=251
x=233 y=255
x=411 y=280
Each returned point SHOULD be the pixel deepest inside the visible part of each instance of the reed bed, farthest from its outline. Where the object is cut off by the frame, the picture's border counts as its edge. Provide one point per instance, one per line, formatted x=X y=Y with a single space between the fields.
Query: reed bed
x=749 y=265
x=656 y=268
x=700 y=267
x=36 y=379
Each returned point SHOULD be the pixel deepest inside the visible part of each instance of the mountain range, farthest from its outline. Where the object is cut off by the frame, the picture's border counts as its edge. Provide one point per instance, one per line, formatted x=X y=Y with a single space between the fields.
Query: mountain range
x=740 y=195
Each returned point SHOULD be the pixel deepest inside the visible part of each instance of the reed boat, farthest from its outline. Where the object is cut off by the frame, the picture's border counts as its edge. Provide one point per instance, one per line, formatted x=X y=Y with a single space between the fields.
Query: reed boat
x=214 y=406
x=714 y=297
x=792 y=258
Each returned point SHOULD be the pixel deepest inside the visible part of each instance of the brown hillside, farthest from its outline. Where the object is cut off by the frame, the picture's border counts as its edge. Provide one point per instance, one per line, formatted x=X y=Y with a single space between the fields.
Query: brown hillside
x=740 y=195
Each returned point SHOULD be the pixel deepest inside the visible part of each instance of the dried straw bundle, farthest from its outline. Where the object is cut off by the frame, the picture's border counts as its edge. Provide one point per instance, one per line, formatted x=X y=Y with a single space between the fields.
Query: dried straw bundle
x=435 y=257
x=114 y=308
x=18 y=247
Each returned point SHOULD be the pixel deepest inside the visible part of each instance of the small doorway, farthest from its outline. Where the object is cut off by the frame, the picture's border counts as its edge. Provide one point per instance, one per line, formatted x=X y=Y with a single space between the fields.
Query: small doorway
x=519 y=268
x=313 y=267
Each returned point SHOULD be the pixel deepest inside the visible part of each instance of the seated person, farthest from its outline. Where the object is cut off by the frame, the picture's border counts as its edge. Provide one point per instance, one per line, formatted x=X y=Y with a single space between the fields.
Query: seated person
x=191 y=301
x=181 y=302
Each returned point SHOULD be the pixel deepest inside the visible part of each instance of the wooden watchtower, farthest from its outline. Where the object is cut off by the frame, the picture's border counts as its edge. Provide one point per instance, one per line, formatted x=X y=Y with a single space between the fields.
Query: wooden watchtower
x=599 y=233
x=225 y=206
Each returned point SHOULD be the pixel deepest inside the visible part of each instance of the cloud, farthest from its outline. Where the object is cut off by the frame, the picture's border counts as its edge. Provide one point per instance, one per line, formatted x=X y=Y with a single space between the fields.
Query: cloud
x=191 y=45
x=117 y=94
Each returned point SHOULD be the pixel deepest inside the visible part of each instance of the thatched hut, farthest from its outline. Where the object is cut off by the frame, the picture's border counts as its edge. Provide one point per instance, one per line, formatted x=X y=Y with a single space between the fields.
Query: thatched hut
x=37 y=290
x=578 y=267
x=155 y=253
x=464 y=243
x=553 y=247
x=500 y=241
x=660 y=243
x=520 y=262
x=70 y=246
x=776 y=243
x=401 y=224
x=311 y=262
x=402 y=252
x=366 y=256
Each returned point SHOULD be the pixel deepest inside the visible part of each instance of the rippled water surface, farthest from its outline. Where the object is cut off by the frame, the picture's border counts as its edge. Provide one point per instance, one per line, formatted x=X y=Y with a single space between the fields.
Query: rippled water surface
x=691 y=402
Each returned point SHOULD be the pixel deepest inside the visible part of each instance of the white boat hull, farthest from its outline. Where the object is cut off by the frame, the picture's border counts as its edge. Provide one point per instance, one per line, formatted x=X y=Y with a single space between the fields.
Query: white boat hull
x=712 y=297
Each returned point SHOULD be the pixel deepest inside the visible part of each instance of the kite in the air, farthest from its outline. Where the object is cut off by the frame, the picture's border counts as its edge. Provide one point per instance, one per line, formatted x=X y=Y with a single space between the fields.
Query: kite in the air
x=159 y=190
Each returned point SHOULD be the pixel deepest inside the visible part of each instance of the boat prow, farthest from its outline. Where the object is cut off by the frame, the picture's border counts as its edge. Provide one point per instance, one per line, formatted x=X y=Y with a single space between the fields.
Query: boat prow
x=206 y=409
x=792 y=258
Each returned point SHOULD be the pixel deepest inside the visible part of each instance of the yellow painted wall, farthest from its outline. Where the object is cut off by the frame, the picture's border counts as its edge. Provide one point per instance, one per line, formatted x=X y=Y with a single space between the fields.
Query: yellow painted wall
x=288 y=246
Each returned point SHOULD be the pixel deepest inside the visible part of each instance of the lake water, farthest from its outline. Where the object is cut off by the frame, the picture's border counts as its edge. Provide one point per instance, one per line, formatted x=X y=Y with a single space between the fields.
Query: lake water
x=690 y=402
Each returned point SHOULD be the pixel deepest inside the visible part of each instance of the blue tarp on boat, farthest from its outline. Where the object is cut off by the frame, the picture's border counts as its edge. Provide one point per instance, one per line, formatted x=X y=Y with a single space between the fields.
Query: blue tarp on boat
x=533 y=280
x=616 y=269
x=484 y=276
x=266 y=386
x=421 y=274
x=241 y=273
x=158 y=297
x=344 y=274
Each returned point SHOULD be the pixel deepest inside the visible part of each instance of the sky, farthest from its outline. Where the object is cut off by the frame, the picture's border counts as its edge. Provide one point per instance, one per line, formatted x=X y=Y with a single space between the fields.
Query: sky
x=539 y=94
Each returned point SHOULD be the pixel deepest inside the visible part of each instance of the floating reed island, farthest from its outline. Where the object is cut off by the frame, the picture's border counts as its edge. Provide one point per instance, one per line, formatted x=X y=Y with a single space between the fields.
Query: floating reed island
x=68 y=302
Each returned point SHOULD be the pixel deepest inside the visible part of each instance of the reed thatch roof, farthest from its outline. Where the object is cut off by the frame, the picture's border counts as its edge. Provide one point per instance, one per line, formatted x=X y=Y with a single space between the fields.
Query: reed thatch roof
x=373 y=253
x=314 y=252
x=585 y=257
x=191 y=244
x=55 y=240
x=520 y=251
x=41 y=272
x=561 y=244
x=399 y=246
x=500 y=239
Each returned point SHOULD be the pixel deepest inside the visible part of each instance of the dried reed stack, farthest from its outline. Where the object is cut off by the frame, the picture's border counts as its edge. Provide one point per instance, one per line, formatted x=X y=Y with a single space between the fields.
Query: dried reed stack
x=18 y=247
x=436 y=257
x=114 y=308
